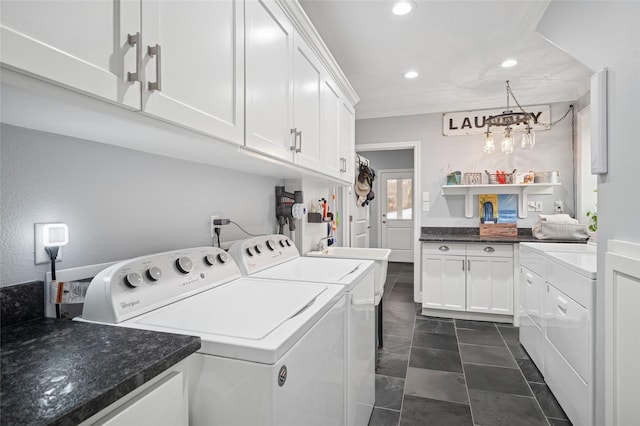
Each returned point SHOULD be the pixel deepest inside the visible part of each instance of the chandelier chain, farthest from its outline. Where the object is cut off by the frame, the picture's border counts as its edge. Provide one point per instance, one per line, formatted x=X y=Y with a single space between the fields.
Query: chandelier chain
x=522 y=109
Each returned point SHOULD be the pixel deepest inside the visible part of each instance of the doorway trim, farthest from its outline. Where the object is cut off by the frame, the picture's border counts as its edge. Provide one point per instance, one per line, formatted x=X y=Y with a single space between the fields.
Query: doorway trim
x=415 y=145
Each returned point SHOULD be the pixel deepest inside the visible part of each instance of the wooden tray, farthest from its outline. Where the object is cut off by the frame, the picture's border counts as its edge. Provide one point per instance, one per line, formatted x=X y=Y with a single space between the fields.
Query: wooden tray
x=499 y=229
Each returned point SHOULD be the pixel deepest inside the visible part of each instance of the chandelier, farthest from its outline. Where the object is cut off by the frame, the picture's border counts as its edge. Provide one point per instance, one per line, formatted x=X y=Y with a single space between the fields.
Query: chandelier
x=507 y=119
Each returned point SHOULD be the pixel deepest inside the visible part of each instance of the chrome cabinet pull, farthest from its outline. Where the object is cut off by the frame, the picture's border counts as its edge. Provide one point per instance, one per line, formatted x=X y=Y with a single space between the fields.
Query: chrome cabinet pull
x=468 y=265
x=463 y=264
x=157 y=52
x=562 y=309
x=443 y=248
x=134 y=40
x=299 y=137
x=489 y=249
x=294 y=132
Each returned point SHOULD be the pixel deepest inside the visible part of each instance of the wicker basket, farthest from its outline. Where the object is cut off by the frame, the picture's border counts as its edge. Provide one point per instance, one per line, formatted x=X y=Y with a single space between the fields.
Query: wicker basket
x=493 y=177
x=472 y=178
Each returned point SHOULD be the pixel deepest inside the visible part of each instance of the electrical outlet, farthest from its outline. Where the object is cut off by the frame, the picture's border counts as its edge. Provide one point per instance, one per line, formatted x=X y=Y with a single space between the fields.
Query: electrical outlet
x=559 y=207
x=213 y=217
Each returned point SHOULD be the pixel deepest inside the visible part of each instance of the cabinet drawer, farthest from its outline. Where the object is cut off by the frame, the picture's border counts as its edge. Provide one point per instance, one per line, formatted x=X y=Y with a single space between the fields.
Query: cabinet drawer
x=532 y=295
x=501 y=250
x=444 y=248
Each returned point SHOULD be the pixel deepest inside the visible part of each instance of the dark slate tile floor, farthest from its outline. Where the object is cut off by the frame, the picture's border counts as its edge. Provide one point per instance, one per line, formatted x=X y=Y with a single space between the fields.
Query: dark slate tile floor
x=439 y=371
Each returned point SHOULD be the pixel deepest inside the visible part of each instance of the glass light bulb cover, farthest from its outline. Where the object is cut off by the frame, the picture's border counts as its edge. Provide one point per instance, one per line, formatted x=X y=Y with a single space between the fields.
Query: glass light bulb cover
x=489 y=145
x=528 y=139
x=402 y=8
x=507 y=144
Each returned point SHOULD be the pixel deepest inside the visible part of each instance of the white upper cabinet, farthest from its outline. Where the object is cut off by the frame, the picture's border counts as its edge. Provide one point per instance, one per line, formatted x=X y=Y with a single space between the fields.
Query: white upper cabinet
x=347 y=141
x=82 y=45
x=330 y=128
x=269 y=92
x=194 y=65
x=307 y=84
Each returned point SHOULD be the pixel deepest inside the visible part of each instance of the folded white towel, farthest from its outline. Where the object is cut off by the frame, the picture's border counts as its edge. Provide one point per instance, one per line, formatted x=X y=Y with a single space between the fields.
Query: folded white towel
x=557 y=218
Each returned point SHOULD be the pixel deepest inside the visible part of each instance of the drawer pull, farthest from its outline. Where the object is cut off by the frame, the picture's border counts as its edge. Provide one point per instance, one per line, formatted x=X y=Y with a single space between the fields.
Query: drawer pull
x=489 y=249
x=463 y=264
x=443 y=248
x=529 y=279
x=468 y=265
x=562 y=309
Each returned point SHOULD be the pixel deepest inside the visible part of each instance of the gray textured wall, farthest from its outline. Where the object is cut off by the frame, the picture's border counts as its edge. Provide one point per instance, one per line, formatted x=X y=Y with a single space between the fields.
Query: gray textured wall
x=118 y=203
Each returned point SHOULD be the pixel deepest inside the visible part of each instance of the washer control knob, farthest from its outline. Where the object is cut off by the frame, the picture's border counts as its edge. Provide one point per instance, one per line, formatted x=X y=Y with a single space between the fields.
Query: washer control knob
x=154 y=273
x=282 y=243
x=288 y=243
x=133 y=279
x=210 y=259
x=271 y=245
x=223 y=257
x=184 y=264
x=250 y=251
x=258 y=248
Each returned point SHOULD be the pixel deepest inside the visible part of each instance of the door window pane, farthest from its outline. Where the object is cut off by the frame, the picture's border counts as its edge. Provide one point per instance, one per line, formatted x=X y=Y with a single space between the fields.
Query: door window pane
x=407 y=198
x=392 y=198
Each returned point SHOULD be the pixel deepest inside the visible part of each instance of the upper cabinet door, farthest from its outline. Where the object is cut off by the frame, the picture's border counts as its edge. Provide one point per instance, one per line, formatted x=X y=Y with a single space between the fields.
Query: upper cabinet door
x=329 y=129
x=82 y=45
x=307 y=83
x=347 y=141
x=193 y=55
x=269 y=91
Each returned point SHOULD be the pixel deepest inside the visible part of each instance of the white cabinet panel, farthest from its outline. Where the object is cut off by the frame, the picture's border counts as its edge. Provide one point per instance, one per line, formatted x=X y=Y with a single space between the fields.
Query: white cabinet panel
x=443 y=282
x=347 y=141
x=80 y=45
x=199 y=65
x=329 y=129
x=490 y=285
x=532 y=290
x=307 y=83
x=268 y=46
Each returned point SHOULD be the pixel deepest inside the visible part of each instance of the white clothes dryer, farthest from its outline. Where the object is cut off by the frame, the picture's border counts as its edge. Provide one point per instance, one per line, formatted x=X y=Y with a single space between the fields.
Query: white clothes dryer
x=275 y=257
x=272 y=352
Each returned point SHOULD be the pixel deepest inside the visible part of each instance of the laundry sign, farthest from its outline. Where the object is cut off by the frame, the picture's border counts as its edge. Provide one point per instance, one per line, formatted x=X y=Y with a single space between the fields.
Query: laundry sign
x=475 y=122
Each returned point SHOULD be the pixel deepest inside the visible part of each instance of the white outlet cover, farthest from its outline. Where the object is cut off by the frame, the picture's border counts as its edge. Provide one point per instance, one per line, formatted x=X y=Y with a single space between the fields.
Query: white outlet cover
x=425 y=206
x=425 y=196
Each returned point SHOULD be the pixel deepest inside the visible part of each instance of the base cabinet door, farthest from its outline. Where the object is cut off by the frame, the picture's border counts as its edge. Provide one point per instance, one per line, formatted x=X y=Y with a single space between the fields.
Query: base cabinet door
x=490 y=285
x=194 y=65
x=81 y=45
x=443 y=282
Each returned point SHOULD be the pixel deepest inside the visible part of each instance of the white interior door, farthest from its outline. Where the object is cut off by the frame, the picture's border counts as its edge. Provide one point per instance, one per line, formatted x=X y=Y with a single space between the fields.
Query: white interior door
x=397 y=214
x=360 y=227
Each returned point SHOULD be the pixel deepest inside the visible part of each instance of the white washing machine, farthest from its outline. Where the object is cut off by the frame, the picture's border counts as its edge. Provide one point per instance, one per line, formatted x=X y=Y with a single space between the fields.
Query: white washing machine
x=275 y=257
x=272 y=352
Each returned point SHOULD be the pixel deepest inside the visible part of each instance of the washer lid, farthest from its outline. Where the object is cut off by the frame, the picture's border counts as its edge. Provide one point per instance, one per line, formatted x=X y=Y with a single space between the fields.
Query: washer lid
x=347 y=272
x=245 y=310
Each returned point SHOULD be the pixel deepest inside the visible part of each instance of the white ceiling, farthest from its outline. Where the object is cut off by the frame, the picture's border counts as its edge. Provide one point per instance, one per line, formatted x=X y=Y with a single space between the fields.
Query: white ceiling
x=456 y=46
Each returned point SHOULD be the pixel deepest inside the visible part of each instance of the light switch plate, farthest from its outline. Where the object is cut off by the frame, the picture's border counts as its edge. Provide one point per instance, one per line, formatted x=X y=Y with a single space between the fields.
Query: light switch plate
x=425 y=196
x=425 y=206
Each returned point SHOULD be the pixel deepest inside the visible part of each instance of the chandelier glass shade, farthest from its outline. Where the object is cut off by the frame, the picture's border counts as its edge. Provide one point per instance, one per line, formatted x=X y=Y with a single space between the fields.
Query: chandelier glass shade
x=489 y=145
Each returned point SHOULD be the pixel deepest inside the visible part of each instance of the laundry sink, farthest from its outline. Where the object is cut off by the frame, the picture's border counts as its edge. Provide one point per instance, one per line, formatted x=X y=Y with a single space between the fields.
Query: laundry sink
x=378 y=255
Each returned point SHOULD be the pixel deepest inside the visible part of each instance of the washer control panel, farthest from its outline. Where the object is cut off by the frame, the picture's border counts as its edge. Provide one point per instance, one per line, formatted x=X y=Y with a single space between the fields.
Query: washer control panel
x=136 y=286
x=258 y=253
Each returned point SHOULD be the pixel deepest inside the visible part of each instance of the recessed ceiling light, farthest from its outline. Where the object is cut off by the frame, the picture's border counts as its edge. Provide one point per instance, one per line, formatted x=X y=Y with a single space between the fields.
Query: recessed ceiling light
x=411 y=74
x=402 y=7
x=509 y=63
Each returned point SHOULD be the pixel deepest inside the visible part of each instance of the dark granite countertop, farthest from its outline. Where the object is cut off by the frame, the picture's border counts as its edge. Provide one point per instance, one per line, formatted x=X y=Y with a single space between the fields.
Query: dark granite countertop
x=471 y=235
x=61 y=372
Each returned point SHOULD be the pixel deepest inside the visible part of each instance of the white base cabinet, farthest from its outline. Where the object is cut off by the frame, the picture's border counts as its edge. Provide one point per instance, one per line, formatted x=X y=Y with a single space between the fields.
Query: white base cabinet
x=470 y=277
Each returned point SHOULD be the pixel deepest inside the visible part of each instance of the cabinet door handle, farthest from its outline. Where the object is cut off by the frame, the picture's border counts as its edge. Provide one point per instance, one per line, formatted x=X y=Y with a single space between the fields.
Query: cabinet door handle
x=489 y=249
x=157 y=52
x=443 y=248
x=529 y=279
x=134 y=40
x=298 y=140
x=294 y=132
x=463 y=264
x=468 y=265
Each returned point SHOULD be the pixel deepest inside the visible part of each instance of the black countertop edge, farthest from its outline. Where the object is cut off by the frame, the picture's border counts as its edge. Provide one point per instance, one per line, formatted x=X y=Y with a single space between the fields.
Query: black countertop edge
x=61 y=372
x=472 y=235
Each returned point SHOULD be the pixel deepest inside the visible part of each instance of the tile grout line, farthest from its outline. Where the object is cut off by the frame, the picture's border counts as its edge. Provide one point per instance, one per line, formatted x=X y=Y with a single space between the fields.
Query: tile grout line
x=464 y=374
x=525 y=379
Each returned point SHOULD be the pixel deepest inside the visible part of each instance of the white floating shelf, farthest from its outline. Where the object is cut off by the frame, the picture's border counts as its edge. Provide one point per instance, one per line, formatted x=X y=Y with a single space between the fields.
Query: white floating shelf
x=522 y=190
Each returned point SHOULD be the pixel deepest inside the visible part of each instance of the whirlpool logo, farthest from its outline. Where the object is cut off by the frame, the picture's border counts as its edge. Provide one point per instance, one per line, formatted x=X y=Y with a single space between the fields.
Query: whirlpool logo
x=129 y=305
